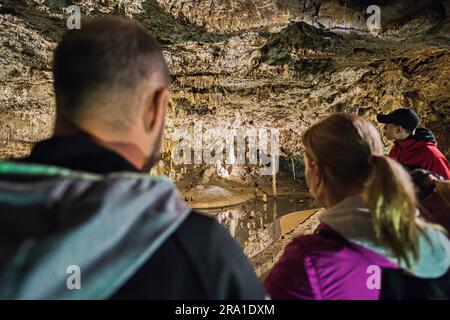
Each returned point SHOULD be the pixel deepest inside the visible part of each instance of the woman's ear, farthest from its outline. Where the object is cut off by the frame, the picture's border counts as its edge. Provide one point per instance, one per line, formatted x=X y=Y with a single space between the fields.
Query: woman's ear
x=312 y=175
x=315 y=167
x=317 y=173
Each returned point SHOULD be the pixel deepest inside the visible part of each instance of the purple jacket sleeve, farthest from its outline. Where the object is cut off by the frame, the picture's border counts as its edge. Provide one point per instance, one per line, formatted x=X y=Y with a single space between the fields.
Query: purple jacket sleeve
x=289 y=277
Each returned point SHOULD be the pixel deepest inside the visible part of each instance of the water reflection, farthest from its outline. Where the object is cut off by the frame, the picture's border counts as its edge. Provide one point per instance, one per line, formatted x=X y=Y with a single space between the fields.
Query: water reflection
x=255 y=224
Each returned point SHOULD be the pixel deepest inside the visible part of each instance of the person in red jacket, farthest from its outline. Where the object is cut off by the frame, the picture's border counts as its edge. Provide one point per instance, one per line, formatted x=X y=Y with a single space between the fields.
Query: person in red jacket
x=414 y=148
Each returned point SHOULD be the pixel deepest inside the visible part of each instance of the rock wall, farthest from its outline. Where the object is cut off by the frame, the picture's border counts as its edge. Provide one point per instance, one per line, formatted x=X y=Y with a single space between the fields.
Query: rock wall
x=262 y=63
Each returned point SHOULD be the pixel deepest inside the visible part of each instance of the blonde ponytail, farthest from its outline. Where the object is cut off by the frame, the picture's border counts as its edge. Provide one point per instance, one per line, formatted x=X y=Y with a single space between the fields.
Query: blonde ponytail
x=389 y=194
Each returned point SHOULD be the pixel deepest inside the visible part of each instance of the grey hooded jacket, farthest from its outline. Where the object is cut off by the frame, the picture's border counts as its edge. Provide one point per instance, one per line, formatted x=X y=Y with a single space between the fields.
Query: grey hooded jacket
x=72 y=235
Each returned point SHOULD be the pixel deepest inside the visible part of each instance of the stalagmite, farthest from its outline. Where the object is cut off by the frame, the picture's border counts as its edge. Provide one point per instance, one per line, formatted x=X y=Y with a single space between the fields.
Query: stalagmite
x=275 y=211
x=274 y=177
x=293 y=167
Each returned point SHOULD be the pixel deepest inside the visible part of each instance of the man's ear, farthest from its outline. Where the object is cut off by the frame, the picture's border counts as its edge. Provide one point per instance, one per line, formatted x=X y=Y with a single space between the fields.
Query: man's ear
x=156 y=110
x=401 y=130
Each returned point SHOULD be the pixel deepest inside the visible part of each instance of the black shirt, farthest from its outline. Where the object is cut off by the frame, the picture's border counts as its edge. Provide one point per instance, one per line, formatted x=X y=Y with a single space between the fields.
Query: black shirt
x=200 y=260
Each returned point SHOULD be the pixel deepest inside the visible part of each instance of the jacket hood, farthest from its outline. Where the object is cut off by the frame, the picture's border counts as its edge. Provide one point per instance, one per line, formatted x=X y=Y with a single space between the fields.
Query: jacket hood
x=52 y=219
x=416 y=142
x=422 y=134
x=351 y=219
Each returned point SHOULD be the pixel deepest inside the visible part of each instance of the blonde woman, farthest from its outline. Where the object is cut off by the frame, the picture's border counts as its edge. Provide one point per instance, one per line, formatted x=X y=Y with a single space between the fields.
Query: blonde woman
x=369 y=227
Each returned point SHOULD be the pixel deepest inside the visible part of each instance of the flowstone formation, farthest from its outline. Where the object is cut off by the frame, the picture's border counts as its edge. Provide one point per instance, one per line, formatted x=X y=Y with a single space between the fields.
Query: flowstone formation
x=272 y=64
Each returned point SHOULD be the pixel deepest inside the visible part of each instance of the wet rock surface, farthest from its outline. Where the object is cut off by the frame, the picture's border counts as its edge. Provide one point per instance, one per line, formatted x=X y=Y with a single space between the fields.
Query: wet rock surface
x=281 y=64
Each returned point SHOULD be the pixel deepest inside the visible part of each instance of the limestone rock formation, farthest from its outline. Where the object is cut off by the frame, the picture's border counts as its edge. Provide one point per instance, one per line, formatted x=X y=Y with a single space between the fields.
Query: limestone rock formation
x=270 y=63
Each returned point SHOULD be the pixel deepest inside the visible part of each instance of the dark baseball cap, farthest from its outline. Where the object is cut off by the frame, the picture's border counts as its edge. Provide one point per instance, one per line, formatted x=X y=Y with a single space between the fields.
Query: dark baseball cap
x=404 y=117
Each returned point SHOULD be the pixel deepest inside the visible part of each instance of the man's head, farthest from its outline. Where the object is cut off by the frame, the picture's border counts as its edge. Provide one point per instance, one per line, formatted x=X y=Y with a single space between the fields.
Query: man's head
x=111 y=81
x=399 y=124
